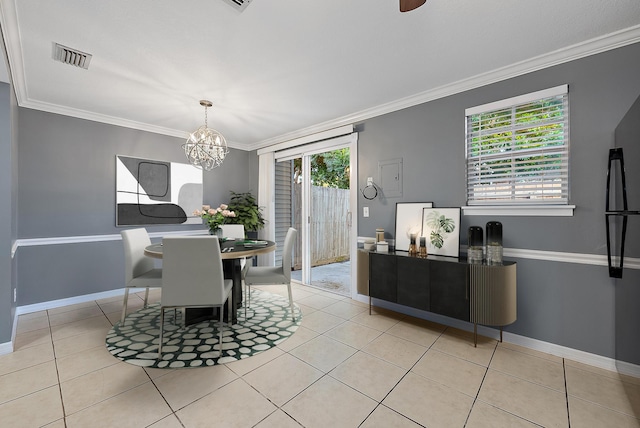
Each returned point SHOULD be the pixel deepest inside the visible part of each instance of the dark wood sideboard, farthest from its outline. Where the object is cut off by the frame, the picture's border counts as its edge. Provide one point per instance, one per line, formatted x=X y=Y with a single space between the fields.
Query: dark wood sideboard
x=478 y=293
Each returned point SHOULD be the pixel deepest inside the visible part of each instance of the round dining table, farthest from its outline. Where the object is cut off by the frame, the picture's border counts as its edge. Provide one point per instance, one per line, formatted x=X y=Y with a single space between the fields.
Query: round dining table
x=232 y=252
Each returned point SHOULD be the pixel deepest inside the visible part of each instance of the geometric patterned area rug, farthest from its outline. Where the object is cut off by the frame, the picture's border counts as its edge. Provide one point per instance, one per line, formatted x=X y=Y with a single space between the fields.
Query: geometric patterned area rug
x=268 y=323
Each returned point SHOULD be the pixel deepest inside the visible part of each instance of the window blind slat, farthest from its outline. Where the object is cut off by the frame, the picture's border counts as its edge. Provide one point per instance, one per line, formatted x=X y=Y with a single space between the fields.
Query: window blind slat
x=519 y=153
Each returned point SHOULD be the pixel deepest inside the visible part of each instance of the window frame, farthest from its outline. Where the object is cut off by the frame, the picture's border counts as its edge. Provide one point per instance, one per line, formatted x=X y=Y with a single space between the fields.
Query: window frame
x=514 y=205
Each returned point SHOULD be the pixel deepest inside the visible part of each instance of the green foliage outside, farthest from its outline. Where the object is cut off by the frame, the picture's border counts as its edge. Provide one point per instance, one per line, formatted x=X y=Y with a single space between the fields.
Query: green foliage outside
x=330 y=169
x=538 y=127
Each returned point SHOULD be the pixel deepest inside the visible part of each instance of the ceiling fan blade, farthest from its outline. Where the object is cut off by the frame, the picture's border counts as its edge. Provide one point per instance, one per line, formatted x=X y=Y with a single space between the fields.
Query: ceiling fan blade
x=408 y=5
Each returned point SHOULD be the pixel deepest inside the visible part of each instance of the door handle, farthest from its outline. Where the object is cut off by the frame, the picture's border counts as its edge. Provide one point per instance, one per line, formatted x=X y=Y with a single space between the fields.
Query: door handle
x=349 y=215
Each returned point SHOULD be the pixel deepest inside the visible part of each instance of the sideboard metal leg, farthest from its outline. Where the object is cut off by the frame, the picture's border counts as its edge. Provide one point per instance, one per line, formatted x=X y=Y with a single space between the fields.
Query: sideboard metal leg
x=500 y=334
x=369 y=304
x=475 y=335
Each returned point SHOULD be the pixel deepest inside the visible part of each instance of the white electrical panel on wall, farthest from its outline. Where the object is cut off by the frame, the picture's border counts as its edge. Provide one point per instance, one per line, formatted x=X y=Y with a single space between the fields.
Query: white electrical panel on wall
x=390 y=177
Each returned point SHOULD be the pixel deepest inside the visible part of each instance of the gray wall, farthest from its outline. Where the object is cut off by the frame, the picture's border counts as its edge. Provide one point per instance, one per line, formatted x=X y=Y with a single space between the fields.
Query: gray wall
x=8 y=218
x=567 y=304
x=66 y=177
x=67 y=188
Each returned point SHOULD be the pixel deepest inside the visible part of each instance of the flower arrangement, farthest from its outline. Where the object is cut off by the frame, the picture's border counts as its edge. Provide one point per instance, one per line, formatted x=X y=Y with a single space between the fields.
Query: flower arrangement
x=215 y=217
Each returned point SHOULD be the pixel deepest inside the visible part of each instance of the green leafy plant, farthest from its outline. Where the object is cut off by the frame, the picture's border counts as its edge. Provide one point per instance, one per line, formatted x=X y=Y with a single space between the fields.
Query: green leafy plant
x=247 y=211
x=441 y=226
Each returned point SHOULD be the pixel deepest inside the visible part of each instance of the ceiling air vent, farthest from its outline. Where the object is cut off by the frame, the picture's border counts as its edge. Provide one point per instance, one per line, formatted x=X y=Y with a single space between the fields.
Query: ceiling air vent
x=239 y=5
x=71 y=56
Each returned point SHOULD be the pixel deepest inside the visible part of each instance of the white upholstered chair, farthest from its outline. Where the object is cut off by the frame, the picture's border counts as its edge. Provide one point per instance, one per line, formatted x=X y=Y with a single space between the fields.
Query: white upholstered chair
x=235 y=231
x=139 y=270
x=267 y=275
x=193 y=277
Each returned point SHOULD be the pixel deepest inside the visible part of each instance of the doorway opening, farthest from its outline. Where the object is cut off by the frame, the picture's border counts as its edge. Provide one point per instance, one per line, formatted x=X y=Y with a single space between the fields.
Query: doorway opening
x=313 y=194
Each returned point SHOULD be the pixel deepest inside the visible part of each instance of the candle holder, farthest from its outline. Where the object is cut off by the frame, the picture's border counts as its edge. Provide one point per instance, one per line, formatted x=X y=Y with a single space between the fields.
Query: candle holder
x=423 y=247
x=475 y=245
x=412 y=245
x=494 y=243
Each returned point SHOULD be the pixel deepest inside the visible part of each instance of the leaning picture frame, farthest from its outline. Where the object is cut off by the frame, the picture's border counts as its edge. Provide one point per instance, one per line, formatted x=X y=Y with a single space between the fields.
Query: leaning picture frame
x=441 y=230
x=408 y=221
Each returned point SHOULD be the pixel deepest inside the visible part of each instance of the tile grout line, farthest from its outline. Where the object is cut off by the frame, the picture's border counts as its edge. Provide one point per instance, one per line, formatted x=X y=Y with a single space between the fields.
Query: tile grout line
x=566 y=391
x=486 y=372
x=55 y=359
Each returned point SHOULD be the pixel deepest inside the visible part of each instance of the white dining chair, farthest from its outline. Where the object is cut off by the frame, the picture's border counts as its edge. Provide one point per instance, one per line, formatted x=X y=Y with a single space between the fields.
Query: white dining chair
x=193 y=278
x=233 y=231
x=267 y=275
x=139 y=270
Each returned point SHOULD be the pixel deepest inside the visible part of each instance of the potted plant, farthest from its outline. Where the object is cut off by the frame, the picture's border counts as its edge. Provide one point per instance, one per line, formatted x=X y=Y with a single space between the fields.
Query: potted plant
x=247 y=212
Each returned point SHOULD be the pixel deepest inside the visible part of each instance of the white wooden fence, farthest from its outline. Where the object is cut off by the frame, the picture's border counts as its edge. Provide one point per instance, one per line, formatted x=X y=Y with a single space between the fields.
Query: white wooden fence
x=329 y=228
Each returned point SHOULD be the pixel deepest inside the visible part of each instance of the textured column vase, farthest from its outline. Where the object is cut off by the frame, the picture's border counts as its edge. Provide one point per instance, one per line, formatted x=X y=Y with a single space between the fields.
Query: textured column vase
x=494 y=243
x=475 y=245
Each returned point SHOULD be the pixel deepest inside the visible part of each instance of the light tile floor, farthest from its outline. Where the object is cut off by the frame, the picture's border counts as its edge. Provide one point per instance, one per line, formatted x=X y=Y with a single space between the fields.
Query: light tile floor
x=342 y=368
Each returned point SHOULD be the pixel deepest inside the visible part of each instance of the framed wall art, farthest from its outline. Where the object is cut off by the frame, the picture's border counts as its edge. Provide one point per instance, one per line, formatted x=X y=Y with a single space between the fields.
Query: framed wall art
x=152 y=192
x=408 y=221
x=441 y=228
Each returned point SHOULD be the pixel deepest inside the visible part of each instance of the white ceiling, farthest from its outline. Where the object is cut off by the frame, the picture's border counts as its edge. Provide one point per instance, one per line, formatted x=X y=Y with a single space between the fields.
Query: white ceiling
x=286 y=68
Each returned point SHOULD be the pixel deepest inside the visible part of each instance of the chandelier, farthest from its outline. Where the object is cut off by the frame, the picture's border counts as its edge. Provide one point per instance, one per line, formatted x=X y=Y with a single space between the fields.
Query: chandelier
x=205 y=148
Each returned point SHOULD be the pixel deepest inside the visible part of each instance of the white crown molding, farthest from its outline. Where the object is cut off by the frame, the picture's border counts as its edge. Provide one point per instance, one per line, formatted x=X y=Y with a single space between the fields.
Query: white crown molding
x=11 y=36
x=112 y=120
x=584 y=49
x=9 y=26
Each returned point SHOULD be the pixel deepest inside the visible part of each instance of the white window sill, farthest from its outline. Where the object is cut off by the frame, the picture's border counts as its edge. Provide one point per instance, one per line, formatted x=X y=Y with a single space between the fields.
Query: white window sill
x=528 y=210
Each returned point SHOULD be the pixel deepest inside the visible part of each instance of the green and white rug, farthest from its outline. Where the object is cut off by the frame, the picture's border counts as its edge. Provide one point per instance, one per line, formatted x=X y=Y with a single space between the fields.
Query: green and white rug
x=268 y=323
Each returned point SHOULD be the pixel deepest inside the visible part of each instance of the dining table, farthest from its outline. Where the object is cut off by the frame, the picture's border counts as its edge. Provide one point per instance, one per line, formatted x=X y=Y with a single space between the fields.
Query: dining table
x=232 y=251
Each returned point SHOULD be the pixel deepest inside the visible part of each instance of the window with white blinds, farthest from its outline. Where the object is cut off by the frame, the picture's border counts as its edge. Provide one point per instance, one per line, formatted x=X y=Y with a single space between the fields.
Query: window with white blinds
x=518 y=150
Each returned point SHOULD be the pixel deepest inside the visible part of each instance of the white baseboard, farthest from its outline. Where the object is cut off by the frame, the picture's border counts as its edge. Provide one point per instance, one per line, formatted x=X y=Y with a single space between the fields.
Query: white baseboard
x=36 y=307
x=527 y=342
x=6 y=348
x=583 y=357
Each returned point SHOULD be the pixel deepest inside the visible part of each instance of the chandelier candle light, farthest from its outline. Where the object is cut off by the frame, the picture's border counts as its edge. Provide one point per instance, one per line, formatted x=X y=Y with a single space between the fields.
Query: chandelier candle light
x=206 y=148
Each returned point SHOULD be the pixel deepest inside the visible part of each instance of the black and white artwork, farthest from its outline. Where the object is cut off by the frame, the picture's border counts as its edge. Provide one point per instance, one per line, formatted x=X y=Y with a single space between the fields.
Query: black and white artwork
x=156 y=192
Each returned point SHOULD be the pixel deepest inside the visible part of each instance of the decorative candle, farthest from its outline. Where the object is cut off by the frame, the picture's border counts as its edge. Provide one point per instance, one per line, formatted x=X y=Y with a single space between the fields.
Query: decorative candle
x=412 y=245
x=423 y=246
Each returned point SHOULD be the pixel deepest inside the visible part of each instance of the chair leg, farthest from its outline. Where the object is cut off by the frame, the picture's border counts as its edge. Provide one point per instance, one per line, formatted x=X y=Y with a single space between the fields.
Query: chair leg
x=124 y=305
x=291 y=301
x=247 y=298
x=146 y=297
x=220 y=334
x=161 y=331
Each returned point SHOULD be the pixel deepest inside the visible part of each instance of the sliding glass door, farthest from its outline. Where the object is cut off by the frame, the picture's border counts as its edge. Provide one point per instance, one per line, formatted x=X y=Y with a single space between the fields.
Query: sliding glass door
x=313 y=193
